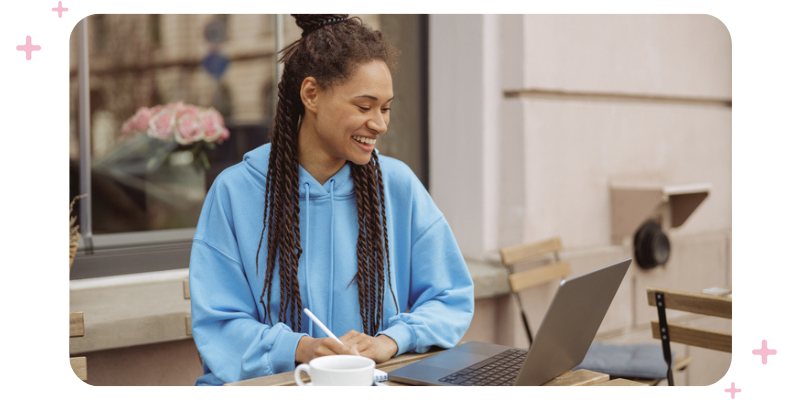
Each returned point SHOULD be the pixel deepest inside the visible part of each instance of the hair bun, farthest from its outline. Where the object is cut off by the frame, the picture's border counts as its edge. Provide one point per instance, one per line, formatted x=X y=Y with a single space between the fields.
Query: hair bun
x=311 y=22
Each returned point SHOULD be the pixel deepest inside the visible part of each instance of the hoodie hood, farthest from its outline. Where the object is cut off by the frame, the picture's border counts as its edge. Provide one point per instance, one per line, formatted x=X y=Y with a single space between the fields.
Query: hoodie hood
x=341 y=183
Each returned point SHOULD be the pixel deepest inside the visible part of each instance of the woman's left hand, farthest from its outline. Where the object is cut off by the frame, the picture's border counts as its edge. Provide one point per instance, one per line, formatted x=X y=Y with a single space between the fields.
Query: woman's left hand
x=380 y=348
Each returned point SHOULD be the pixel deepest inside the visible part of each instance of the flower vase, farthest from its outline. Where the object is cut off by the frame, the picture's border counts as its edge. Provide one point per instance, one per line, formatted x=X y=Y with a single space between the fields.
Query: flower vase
x=175 y=192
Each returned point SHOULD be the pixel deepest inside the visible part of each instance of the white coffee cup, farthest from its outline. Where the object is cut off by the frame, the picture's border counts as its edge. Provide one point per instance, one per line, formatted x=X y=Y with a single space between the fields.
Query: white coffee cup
x=338 y=370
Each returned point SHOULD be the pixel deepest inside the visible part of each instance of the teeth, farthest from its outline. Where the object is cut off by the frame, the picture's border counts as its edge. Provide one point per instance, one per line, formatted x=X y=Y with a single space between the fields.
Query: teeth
x=364 y=140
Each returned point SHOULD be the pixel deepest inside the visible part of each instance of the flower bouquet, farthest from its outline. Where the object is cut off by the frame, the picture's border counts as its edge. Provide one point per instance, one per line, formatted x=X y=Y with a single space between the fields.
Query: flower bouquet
x=184 y=126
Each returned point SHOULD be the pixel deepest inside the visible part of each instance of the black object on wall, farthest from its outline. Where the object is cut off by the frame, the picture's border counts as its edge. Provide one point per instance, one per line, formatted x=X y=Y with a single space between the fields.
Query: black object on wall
x=651 y=245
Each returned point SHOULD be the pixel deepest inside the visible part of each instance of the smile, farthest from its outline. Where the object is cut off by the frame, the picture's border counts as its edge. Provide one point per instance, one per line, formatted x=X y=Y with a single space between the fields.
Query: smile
x=365 y=140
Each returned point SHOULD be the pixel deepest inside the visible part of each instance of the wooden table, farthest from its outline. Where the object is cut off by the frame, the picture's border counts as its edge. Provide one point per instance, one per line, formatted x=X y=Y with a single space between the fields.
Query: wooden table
x=570 y=378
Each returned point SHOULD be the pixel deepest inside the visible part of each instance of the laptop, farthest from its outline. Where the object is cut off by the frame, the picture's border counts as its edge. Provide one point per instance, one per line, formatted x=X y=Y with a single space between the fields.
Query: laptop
x=568 y=328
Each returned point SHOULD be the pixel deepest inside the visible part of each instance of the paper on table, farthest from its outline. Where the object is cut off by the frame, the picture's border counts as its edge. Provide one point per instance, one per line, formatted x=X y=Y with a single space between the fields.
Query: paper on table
x=380 y=376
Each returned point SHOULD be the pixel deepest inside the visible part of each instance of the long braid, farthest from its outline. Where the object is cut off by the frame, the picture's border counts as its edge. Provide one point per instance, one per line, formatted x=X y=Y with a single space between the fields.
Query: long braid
x=385 y=228
x=361 y=246
x=372 y=222
x=369 y=272
x=376 y=251
x=281 y=216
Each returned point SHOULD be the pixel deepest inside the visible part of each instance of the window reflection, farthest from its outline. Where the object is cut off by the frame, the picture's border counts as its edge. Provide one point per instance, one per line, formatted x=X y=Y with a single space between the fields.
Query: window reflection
x=148 y=60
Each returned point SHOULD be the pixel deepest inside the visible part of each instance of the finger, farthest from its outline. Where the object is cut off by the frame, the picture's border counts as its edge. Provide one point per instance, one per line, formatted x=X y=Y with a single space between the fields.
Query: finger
x=363 y=347
x=349 y=341
x=342 y=348
x=323 y=351
x=349 y=335
x=332 y=346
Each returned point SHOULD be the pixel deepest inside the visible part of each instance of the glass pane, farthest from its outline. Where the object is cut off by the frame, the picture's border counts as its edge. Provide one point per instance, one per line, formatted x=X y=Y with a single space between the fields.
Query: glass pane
x=138 y=63
x=143 y=65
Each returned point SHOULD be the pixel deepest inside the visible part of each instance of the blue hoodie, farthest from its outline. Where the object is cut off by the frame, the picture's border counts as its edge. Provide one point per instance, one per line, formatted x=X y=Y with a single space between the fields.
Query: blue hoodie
x=430 y=279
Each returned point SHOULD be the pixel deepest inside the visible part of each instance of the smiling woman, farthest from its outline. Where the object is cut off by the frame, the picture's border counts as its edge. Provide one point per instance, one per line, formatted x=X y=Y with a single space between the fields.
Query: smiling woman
x=343 y=122
x=334 y=213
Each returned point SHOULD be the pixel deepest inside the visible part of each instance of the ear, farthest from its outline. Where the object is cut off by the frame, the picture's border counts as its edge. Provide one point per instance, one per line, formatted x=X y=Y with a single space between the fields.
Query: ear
x=309 y=93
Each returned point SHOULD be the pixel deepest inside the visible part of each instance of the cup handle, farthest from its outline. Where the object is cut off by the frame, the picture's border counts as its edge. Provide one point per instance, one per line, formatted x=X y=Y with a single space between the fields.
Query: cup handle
x=297 y=379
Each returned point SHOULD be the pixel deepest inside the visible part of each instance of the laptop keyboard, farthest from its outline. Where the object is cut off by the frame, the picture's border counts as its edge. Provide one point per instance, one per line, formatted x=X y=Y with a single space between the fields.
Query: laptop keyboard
x=500 y=370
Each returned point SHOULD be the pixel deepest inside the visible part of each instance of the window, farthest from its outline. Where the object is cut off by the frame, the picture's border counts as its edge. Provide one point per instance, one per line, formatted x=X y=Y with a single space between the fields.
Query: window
x=146 y=194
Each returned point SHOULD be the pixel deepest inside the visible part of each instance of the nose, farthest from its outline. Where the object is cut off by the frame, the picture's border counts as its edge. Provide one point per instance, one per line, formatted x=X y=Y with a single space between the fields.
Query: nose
x=377 y=124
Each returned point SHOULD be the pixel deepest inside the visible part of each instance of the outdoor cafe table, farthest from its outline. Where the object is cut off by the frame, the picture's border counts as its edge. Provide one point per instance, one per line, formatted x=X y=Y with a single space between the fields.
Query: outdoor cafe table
x=570 y=378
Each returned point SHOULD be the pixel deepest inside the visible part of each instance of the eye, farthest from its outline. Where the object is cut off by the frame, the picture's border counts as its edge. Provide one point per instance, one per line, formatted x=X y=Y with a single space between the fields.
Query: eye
x=363 y=108
x=386 y=109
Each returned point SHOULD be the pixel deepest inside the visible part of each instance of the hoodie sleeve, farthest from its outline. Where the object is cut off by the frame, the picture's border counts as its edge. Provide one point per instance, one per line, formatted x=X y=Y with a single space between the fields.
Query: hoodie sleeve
x=232 y=341
x=441 y=296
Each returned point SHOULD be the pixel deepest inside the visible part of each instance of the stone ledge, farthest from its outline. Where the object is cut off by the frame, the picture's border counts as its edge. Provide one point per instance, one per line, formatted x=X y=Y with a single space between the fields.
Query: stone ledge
x=490 y=278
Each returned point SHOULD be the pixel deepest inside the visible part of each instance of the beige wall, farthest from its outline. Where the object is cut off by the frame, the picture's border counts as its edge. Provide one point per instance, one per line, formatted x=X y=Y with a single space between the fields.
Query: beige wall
x=532 y=118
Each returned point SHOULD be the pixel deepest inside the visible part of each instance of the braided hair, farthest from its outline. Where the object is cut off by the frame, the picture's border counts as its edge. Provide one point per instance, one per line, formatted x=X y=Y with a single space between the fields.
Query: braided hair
x=329 y=49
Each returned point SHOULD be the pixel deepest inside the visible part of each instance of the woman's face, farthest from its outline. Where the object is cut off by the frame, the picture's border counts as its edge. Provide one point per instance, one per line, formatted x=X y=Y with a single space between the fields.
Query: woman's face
x=352 y=116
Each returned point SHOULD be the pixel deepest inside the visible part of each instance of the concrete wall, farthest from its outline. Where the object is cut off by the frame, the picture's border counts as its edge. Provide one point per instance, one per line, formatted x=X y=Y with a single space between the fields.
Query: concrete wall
x=532 y=118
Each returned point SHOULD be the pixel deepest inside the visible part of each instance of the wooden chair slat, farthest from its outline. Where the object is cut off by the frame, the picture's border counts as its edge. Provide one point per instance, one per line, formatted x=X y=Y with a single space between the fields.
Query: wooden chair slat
x=514 y=254
x=537 y=276
x=189 y=324
x=694 y=336
x=698 y=303
x=78 y=365
x=186 y=293
x=76 y=324
x=680 y=363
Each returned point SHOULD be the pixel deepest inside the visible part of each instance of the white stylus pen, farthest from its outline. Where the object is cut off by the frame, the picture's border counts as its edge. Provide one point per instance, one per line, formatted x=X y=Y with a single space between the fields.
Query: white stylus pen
x=321 y=325
x=380 y=376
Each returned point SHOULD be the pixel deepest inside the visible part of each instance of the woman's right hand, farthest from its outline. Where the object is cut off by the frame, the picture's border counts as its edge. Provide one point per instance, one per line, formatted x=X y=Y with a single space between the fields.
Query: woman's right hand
x=309 y=348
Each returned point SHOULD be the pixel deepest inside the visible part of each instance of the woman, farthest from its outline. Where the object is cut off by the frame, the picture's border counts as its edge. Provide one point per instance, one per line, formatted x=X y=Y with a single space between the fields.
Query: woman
x=317 y=219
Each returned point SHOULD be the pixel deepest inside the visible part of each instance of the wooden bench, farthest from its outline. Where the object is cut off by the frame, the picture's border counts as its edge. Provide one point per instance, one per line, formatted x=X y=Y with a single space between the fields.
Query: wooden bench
x=76 y=329
x=187 y=295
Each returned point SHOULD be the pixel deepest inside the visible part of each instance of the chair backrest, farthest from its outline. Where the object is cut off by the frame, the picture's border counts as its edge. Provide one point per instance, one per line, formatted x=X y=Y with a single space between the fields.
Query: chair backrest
x=697 y=303
x=535 y=276
x=519 y=281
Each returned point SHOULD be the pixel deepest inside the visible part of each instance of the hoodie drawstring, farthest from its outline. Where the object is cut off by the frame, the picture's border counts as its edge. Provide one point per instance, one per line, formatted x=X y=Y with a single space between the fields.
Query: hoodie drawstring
x=308 y=288
x=330 y=295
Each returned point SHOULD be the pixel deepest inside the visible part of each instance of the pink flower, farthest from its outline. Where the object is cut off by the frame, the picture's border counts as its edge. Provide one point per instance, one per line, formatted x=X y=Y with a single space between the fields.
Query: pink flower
x=188 y=128
x=185 y=123
x=225 y=135
x=162 y=123
x=138 y=122
x=140 y=119
x=214 y=126
x=178 y=105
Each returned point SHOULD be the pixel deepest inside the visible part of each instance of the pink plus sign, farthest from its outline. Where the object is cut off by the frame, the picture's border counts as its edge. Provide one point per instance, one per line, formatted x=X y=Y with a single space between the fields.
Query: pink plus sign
x=764 y=352
x=28 y=47
x=60 y=9
x=733 y=390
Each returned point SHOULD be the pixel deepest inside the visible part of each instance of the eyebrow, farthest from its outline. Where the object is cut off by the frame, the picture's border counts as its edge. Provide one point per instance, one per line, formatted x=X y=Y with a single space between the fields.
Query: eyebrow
x=372 y=97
